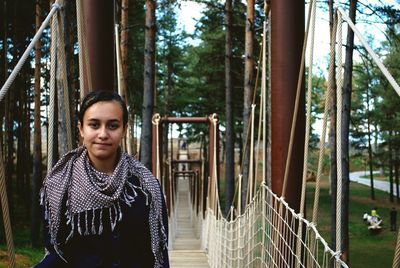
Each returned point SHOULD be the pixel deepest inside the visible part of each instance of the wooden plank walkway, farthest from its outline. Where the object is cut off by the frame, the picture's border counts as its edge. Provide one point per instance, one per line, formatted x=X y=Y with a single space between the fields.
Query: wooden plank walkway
x=186 y=248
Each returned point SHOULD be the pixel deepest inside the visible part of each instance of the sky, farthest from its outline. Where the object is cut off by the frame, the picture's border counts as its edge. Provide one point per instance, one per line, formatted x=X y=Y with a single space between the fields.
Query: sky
x=191 y=11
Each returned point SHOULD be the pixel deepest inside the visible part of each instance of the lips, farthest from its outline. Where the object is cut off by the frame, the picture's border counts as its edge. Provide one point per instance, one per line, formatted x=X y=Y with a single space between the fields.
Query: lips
x=103 y=145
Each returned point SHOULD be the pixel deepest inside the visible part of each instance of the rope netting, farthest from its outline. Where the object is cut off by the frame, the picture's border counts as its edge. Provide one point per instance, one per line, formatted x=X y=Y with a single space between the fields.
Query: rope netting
x=265 y=235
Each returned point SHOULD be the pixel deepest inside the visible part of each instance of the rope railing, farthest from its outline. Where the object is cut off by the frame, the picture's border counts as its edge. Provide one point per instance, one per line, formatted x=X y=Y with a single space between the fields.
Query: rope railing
x=245 y=242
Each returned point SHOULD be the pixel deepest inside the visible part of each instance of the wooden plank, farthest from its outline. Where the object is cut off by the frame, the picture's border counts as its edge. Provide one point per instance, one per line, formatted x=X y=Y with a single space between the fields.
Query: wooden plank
x=185 y=258
x=186 y=248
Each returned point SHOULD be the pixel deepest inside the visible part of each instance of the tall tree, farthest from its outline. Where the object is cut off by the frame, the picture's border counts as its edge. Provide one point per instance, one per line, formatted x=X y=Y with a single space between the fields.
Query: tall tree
x=170 y=51
x=124 y=46
x=148 y=84
x=346 y=100
x=362 y=111
x=248 y=96
x=332 y=128
x=37 y=147
x=230 y=135
x=64 y=120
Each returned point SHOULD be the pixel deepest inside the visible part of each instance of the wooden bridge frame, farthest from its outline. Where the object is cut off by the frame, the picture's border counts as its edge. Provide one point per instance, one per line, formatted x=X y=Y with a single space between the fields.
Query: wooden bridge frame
x=157 y=151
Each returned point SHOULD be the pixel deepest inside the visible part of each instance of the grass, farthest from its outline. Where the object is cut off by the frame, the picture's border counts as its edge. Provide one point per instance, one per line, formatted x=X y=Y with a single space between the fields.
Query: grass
x=365 y=249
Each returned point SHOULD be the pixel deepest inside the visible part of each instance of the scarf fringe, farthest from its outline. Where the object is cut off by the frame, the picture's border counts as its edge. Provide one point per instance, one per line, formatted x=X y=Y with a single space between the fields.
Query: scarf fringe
x=93 y=219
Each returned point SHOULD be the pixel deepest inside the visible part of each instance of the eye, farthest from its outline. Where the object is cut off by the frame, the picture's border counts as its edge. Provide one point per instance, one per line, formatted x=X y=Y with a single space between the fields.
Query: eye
x=113 y=126
x=93 y=125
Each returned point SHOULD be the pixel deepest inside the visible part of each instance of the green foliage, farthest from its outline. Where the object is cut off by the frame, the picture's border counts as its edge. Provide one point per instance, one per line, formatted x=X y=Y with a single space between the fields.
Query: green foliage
x=202 y=85
x=170 y=60
x=135 y=55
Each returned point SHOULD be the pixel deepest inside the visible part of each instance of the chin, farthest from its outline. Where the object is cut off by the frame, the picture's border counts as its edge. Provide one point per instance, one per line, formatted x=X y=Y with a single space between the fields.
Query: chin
x=103 y=154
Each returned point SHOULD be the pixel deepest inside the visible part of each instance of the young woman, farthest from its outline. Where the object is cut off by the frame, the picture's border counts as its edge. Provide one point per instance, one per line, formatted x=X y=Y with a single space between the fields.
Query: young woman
x=102 y=207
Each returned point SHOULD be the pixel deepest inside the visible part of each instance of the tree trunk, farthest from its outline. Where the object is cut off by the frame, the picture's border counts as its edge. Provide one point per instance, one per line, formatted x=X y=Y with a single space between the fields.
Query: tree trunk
x=5 y=66
x=3 y=72
x=124 y=64
x=396 y=174
x=37 y=147
x=390 y=165
x=332 y=133
x=248 y=96
x=21 y=156
x=346 y=100
x=148 y=84
x=69 y=38
x=27 y=150
x=230 y=135
x=124 y=48
x=370 y=157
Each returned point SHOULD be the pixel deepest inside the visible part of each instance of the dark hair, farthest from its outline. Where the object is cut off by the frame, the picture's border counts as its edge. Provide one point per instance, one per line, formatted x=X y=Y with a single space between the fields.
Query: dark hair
x=102 y=95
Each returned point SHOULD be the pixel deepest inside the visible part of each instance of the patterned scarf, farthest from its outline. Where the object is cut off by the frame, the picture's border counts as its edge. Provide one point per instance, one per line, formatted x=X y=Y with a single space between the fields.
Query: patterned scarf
x=95 y=193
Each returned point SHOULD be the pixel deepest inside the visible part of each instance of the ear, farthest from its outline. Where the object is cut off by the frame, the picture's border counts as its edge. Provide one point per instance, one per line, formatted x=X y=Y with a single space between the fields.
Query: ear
x=125 y=129
x=80 y=127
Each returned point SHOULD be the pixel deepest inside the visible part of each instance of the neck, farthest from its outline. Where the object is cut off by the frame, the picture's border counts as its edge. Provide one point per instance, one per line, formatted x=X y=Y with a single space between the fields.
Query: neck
x=104 y=165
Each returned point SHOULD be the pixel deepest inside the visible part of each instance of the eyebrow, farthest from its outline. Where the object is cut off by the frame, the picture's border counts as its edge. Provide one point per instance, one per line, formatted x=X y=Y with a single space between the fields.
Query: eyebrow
x=111 y=120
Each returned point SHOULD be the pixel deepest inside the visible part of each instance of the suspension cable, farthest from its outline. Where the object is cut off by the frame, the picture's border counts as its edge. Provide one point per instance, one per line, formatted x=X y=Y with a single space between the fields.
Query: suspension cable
x=384 y=70
x=339 y=137
x=56 y=6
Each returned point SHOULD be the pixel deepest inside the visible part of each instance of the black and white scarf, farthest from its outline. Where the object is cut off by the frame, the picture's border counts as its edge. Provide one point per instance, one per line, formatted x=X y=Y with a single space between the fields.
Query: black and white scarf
x=95 y=193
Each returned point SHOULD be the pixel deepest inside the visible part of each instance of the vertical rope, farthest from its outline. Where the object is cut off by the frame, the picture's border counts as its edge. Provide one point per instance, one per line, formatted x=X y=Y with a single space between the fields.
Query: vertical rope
x=327 y=108
x=85 y=78
x=119 y=80
x=308 y=127
x=264 y=127
x=6 y=214
x=396 y=260
x=118 y=56
x=156 y=121
x=339 y=137
x=251 y=163
x=79 y=18
x=259 y=144
x=215 y=173
x=53 y=66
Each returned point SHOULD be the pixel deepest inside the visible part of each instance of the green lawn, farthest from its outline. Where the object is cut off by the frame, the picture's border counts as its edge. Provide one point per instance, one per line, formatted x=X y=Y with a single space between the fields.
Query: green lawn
x=366 y=249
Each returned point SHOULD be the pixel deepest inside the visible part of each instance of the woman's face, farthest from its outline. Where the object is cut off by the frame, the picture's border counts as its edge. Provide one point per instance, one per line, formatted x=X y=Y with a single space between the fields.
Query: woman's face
x=102 y=130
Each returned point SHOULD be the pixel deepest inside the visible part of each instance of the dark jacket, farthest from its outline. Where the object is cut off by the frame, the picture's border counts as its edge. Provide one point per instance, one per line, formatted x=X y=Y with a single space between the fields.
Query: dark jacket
x=129 y=245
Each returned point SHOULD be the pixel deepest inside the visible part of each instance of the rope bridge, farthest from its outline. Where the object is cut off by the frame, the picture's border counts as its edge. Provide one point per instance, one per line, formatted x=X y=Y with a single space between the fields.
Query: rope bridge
x=265 y=235
x=268 y=233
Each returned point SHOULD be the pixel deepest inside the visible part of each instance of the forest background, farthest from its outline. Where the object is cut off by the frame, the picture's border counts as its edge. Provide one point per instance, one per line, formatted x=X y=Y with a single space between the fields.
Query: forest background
x=189 y=82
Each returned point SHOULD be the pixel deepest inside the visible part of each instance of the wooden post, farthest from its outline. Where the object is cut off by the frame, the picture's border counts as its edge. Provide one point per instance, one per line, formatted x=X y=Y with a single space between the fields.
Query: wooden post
x=287 y=35
x=98 y=18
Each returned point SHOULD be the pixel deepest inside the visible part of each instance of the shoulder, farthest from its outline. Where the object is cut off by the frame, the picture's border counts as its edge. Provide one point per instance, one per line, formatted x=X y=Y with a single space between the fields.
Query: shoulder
x=139 y=170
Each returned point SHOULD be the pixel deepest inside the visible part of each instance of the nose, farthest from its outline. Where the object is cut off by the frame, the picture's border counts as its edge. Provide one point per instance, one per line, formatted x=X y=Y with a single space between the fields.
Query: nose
x=103 y=134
